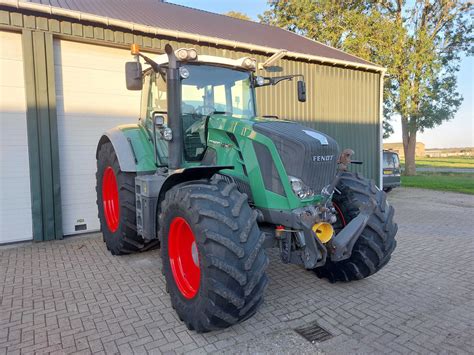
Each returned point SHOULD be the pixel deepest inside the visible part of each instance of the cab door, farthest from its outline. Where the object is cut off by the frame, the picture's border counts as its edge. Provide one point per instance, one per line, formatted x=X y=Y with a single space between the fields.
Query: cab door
x=154 y=103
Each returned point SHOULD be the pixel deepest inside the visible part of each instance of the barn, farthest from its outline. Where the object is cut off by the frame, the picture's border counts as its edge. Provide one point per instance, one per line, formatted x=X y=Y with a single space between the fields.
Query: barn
x=62 y=84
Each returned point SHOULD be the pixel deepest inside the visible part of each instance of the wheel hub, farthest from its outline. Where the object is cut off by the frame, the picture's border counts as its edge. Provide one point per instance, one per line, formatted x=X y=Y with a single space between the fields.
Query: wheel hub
x=184 y=257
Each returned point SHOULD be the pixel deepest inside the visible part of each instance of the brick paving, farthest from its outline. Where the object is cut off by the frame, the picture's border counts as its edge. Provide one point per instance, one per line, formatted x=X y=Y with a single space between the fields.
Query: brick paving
x=73 y=296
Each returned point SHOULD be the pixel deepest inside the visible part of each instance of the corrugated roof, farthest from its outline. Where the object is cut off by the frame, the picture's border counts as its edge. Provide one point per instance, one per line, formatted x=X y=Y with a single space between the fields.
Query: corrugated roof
x=174 y=17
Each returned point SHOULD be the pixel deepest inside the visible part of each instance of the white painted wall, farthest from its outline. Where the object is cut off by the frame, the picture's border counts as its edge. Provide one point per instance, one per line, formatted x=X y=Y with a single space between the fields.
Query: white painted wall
x=15 y=195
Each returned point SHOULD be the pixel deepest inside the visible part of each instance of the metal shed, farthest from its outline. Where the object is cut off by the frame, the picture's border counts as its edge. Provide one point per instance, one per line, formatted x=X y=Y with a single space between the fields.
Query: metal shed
x=62 y=85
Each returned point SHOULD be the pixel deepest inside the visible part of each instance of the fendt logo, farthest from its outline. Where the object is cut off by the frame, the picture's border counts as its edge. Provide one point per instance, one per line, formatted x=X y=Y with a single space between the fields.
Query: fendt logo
x=323 y=157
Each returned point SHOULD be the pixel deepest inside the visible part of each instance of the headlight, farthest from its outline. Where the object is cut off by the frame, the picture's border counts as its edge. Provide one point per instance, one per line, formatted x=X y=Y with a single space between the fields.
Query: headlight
x=300 y=188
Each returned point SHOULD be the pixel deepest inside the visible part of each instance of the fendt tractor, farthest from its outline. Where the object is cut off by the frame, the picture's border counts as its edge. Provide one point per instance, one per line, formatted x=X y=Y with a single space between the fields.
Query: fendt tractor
x=212 y=185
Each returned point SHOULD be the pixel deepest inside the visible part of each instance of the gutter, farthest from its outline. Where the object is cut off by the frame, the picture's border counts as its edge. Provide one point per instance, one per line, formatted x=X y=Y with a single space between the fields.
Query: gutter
x=81 y=16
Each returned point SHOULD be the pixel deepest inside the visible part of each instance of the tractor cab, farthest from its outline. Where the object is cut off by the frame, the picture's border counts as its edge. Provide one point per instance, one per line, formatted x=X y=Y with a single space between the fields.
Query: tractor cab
x=203 y=86
x=206 y=89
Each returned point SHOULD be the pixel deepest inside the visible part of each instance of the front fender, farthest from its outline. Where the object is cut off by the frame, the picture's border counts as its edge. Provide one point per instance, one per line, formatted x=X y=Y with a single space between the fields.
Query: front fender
x=152 y=188
x=189 y=174
x=133 y=147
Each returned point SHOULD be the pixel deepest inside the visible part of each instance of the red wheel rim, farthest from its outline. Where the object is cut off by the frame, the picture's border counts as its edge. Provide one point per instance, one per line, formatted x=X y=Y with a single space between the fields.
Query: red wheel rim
x=110 y=199
x=184 y=257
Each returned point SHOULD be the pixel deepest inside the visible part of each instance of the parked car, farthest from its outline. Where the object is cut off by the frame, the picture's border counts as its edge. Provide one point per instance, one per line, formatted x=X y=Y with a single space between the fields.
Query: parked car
x=391 y=170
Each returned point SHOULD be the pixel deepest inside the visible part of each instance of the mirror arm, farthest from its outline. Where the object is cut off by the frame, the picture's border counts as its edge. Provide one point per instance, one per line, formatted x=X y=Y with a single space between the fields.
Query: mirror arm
x=155 y=66
x=276 y=79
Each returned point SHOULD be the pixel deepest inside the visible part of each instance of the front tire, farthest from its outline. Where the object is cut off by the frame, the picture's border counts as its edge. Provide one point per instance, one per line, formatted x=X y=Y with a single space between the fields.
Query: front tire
x=212 y=254
x=116 y=205
x=373 y=249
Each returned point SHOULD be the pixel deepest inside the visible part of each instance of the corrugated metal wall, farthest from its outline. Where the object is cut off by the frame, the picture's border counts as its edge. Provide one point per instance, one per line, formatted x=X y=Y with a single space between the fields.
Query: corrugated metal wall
x=343 y=103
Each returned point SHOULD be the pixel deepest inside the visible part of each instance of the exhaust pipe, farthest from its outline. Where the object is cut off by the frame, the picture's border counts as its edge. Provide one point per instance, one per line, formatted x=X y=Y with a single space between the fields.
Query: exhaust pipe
x=176 y=144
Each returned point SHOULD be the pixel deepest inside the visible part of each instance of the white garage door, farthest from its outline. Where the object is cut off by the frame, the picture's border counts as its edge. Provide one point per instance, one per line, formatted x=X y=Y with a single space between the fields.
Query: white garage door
x=15 y=196
x=91 y=98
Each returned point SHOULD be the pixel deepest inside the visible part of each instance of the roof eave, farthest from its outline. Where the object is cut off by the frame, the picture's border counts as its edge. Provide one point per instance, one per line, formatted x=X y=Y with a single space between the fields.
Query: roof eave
x=82 y=16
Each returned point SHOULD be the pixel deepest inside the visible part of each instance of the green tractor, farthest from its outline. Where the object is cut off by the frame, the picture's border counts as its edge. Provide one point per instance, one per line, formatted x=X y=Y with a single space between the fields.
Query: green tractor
x=213 y=185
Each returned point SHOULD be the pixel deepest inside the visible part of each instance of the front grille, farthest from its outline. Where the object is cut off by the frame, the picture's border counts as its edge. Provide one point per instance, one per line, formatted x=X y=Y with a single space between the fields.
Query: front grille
x=271 y=178
x=303 y=154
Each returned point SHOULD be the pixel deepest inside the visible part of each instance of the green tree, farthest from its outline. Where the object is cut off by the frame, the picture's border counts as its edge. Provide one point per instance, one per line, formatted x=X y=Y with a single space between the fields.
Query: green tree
x=239 y=15
x=420 y=42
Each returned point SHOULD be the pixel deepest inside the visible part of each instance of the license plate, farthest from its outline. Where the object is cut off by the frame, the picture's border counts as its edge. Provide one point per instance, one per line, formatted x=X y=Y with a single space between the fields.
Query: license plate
x=388 y=172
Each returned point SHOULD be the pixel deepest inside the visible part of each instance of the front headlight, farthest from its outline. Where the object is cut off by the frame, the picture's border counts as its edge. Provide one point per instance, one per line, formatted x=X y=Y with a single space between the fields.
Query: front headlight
x=300 y=188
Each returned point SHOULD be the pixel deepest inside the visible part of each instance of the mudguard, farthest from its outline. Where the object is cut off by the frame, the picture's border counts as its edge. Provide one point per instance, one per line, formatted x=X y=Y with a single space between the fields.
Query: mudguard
x=188 y=174
x=132 y=146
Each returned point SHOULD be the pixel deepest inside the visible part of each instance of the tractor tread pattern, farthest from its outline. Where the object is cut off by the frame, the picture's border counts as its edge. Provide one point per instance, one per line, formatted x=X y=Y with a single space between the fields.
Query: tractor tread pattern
x=125 y=240
x=374 y=247
x=231 y=253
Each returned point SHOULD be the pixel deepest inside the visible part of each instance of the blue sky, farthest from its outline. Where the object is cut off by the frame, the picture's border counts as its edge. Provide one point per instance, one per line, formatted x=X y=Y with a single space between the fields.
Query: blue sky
x=458 y=132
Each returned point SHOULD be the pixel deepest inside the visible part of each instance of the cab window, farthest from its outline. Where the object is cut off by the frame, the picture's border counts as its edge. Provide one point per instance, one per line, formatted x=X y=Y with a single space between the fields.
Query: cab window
x=211 y=90
x=144 y=98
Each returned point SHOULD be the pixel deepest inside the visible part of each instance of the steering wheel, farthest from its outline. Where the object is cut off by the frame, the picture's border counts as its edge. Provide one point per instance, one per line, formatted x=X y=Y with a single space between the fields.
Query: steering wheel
x=204 y=110
x=197 y=127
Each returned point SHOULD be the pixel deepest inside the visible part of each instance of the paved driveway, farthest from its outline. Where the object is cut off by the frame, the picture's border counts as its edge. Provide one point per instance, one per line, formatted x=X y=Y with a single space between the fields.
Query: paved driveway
x=72 y=295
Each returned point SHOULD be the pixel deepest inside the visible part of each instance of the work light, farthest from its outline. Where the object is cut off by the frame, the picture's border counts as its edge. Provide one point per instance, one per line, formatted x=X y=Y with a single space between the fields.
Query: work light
x=185 y=54
x=249 y=63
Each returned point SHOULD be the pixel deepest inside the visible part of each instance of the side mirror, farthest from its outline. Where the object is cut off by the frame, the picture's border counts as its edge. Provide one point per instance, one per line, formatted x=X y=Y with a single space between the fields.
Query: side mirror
x=133 y=75
x=301 y=91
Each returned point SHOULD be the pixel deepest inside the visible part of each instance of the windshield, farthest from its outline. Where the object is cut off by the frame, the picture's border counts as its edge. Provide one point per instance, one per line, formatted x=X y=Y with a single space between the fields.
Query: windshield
x=390 y=161
x=209 y=89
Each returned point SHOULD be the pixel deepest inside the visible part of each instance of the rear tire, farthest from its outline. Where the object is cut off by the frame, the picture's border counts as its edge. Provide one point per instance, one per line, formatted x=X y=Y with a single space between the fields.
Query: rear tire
x=228 y=284
x=116 y=192
x=373 y=249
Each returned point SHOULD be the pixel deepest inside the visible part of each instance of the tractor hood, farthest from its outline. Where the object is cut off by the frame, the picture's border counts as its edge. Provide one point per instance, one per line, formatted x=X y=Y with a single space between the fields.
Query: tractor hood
x=305 y=153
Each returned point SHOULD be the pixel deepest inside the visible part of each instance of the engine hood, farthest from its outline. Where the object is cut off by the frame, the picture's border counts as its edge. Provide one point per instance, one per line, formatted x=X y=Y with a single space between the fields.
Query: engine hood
x=305 y=153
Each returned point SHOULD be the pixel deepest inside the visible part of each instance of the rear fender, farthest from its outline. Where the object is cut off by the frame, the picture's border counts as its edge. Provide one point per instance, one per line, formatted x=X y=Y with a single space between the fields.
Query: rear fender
x=132 y=146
